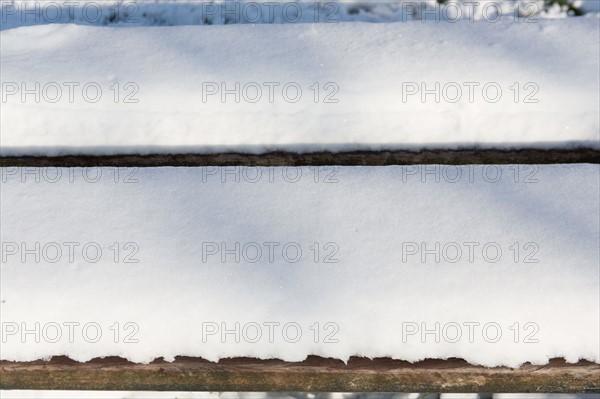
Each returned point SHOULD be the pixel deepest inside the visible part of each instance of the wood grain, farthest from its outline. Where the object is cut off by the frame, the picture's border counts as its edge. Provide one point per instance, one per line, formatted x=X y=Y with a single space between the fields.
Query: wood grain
x=314 y=374
x=365 y=158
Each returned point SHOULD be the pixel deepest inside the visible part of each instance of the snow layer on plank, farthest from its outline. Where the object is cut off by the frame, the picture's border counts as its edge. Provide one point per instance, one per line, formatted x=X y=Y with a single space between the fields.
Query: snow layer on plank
x=105 y=90
x=498 y=265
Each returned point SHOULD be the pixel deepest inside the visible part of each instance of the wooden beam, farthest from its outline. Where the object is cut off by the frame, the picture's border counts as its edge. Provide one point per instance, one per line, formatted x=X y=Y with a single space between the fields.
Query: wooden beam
x=367 y=158
x=314 y=374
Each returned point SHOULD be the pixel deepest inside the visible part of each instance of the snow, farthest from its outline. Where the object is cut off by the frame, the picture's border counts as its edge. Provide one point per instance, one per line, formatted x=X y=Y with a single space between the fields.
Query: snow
x=498 y=265
x=176 y=256
x=591 y=6
x=361 y=86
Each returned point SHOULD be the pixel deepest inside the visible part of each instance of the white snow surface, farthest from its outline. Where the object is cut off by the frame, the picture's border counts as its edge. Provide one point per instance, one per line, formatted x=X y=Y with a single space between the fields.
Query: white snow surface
x=534 y=231
x=364 y=73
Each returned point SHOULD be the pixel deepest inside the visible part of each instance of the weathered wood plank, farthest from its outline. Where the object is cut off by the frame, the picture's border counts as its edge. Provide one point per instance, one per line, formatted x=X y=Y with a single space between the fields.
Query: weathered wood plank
x=371 y=158
x=314 y=374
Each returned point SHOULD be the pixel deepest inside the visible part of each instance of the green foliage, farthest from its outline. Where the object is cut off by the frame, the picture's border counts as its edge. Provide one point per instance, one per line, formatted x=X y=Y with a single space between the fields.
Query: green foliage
x=569 y=4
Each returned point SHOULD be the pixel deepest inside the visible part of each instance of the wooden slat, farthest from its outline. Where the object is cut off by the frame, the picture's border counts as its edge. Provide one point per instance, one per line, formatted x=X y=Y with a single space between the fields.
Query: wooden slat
x=314 y=374
x=372 y=158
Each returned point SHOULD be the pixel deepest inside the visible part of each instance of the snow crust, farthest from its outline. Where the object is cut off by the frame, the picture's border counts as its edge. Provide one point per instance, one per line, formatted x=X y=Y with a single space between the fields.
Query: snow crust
x=171 y=255
x=357 y=83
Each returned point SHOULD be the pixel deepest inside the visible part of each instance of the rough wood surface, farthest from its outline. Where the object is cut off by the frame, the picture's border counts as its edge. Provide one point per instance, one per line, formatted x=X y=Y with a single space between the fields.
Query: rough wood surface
x=371 y=158
x=314 y=374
